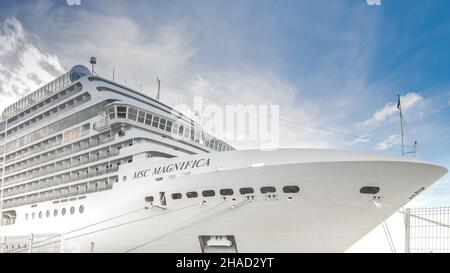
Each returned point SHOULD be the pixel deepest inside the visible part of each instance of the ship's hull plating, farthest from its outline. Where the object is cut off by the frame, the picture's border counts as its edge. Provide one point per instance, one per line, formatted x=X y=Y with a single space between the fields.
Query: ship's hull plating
x=328 y=214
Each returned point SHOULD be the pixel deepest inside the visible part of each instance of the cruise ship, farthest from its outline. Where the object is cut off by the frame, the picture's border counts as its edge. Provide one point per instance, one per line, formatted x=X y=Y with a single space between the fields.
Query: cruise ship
x=90 y=165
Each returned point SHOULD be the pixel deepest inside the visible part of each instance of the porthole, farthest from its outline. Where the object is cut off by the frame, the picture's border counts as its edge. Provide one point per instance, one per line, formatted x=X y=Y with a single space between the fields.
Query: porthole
x=55 y=212
x=40 y=215
x=268 y=189
x=192 y=194
x=291 y=189
x=208 y=193
x=26 y=216
x=369 y=190
x=176 y=196
x=81 y=209
x=72 y=210
x=33 y=215
x=47 y=213
x=124 y=178
x=226 y=192
x=246 y=190
x=63 y=211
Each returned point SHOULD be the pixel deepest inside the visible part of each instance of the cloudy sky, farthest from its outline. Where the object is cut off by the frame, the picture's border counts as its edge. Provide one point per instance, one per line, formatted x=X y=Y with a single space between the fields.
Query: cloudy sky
x=334 y=67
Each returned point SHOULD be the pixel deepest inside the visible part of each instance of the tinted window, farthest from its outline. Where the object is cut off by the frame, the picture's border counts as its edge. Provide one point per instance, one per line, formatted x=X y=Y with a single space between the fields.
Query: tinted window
x=132 y=113
x=268 y=189
x=176 y=196
x=162 y=124
x=155 y=122
x=149 y=199
x=226 y=192
x=169 y=126
x=121 y=112
x=246 y=190
x=148 y=119
x=208 y=193
x=291 y=189
x=192 y=194
x=111 y=112
x=369 y=190
x=141 y=117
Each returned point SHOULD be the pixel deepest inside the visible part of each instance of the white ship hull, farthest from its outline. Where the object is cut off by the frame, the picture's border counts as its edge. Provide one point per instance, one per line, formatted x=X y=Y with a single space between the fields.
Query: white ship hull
x=328 y=214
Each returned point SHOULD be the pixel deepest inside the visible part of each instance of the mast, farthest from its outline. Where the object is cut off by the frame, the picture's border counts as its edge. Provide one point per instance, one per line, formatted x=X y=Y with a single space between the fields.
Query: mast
x=399 y=107
x=159 y=87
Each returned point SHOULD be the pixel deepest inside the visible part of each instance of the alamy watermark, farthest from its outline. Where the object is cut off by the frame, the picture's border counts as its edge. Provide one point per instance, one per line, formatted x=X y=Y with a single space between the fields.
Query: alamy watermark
x=257 y=124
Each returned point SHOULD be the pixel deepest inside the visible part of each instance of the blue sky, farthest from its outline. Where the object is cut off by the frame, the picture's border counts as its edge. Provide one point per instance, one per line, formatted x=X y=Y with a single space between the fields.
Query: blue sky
x=337 y=65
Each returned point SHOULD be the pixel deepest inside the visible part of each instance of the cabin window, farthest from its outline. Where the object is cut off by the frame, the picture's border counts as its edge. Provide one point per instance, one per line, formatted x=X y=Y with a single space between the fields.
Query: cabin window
x=180 y=130
x=149 y=199
x=176 y=196
x=169 y=126
x=162 y=124
x=192 y=194
x=47 y=213
x=55 y=212
x=81 y=209
x=246 y=190
x=132 y=113
x=268 y=189
x=155 y=122
x=63 y=212
x=40 y=215
x=291 y=189
x=208 y=193
x=141 y=117
x=72 y=210
x=111 y=112
x=148 y=119
x=121 y=112
x=369 y=190
x=226 y=192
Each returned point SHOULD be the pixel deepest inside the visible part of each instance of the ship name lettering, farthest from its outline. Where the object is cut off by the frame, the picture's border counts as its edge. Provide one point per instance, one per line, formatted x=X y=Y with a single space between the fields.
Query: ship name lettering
x=180 y=166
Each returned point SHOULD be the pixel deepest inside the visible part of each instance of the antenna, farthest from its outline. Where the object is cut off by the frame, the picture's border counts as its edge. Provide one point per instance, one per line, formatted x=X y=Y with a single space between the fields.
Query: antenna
x=159 y=87
x=93 y=62
x=113 y=72
x=399 y=107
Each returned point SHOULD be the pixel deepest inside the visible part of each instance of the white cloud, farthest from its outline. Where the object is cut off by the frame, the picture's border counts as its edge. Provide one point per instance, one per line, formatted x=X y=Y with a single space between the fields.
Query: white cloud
x=361 y=139
x=23 y=67
x=73 y=2
x=389 y=142
x=390 y=111
x=373 y=2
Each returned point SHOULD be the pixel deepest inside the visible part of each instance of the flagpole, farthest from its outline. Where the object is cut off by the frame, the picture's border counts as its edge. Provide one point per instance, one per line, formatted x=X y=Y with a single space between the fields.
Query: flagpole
x=399 y=107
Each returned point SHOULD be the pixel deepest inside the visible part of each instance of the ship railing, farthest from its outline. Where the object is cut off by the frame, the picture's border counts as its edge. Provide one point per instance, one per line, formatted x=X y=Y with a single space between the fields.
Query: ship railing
x=58 y=155
x=59 y=112
x=73 y=90
x=62 y=180
x=44 y=147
